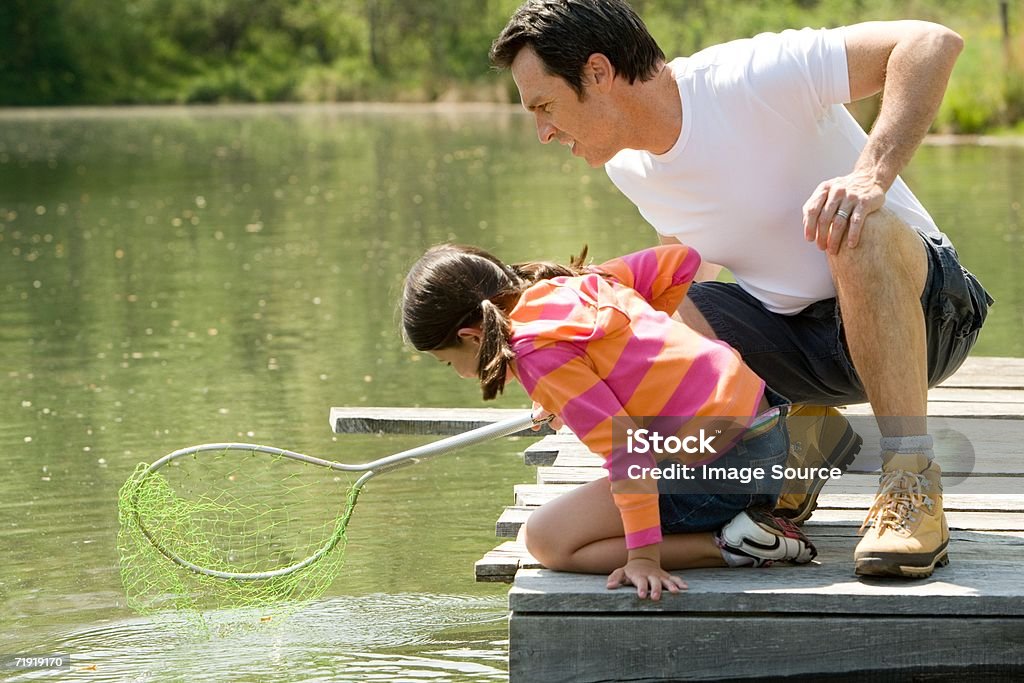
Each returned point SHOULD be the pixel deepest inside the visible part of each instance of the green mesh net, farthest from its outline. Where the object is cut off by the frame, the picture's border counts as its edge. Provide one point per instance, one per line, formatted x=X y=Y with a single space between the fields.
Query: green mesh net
x=232 y=535
x=235 y=512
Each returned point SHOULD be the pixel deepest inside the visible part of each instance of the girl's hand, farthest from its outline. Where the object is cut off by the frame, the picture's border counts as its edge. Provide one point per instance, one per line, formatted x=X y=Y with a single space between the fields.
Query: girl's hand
x=540 y=414
x=648 y=577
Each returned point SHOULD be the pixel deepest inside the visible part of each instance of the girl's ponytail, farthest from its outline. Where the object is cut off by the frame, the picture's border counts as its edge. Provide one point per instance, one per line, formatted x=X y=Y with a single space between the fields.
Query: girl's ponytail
x=495 y=351
x=535 y=271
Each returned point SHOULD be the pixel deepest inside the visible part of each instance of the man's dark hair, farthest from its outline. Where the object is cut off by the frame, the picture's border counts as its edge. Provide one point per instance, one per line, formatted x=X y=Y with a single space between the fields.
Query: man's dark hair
x=564 y=33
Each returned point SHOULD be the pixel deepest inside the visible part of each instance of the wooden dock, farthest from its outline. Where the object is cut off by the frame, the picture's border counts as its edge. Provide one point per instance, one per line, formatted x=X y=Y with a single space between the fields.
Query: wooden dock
x=812 y=621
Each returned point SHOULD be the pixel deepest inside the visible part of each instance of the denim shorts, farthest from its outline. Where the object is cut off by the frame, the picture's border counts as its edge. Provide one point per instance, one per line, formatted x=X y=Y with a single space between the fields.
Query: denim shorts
x=700 y=504
x=804 y=356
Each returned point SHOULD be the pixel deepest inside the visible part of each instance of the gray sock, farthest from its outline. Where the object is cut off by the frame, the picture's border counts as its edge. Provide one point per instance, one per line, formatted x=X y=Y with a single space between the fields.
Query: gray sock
x=734 y=560
x=910 y=444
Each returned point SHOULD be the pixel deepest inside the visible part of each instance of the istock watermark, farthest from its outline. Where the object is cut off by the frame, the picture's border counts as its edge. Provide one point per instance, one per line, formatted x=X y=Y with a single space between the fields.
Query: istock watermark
x=979 y=456
x=744 y=475
x=645 y=441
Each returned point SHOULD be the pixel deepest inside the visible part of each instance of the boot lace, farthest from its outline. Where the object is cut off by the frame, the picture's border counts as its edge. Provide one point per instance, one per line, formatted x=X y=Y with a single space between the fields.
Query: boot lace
x=900 y=495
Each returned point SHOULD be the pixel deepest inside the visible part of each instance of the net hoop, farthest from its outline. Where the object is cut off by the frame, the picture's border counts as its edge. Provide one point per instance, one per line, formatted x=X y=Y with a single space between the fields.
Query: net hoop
x=320 y=553
x=370 y=469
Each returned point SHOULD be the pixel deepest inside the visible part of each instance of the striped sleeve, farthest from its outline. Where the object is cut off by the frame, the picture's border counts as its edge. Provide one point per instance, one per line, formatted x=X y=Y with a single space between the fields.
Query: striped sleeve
x=661 y=275
x=560 y=378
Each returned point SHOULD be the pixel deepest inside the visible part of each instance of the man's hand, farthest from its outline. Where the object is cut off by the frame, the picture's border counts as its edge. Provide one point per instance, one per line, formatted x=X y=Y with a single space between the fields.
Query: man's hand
x=648 y=577
x=837 y=209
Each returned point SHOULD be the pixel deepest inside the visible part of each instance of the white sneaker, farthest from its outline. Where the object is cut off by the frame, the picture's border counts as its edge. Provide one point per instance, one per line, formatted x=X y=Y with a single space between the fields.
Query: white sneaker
x=759 y=535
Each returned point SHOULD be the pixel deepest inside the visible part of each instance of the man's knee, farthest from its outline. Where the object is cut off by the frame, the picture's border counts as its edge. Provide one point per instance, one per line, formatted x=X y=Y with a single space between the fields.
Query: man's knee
x=888 y=249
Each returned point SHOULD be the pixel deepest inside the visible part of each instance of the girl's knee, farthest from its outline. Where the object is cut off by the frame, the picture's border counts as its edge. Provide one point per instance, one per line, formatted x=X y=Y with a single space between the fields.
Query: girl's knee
x=543 y=542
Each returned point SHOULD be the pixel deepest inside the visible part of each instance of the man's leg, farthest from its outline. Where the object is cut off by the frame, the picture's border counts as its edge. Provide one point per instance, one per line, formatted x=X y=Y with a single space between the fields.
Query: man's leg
x=821 y=437
x=879 y=286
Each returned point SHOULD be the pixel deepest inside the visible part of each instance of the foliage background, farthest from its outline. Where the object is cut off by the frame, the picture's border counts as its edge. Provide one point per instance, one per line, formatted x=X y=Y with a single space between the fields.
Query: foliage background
x=105 y=52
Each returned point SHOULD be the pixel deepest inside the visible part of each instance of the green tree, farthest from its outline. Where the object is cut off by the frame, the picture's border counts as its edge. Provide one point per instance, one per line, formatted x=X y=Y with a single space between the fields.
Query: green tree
x=36 y=66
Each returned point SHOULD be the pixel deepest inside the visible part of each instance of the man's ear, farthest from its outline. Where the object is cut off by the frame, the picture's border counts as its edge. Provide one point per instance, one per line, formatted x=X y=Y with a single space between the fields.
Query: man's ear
x=598 y=72
x=472 y=335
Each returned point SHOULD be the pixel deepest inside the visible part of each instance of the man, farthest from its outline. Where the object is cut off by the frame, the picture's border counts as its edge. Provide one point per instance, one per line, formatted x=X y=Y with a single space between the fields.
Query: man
x=730 y=151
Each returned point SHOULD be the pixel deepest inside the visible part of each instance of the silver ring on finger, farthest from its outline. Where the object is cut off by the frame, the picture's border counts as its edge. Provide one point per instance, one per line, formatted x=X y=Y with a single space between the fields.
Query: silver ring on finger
x=843 y=214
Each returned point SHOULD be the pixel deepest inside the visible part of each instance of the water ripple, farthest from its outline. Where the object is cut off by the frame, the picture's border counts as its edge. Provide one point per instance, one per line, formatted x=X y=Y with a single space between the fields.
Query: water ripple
x=379 y=637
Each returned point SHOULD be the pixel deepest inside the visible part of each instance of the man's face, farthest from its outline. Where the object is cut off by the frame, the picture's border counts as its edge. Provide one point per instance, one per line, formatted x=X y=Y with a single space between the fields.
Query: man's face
x=560 y=115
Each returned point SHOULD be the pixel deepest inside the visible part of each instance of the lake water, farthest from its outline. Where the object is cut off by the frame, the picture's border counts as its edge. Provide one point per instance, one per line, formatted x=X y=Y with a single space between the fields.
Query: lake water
x=171 y=277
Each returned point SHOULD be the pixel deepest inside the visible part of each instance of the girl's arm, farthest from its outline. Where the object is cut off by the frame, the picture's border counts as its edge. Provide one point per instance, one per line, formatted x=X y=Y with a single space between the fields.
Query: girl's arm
x=560 y=378
x=707 y=272
x=661 y=274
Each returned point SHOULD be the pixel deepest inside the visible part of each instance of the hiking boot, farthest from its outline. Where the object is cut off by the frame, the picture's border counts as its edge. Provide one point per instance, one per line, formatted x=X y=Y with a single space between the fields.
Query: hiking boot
x=907 y=534
x=757 y=534
x=819 y=437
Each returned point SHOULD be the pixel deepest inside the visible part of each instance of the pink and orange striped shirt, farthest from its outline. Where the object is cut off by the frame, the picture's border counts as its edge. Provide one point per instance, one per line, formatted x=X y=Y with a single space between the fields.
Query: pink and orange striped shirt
x=592 y=349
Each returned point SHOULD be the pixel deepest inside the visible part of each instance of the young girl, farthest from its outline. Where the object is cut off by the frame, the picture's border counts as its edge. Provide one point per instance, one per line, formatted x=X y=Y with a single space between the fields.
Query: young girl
x=598 y=348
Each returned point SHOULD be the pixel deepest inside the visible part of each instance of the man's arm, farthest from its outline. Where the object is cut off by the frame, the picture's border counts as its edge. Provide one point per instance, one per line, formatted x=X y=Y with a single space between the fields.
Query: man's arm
x=910 y=63
x=707 y=270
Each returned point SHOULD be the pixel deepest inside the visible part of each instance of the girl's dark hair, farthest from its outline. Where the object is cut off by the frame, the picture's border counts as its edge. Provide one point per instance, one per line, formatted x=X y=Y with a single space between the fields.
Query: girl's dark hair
x=564 y=33
x=454 y=286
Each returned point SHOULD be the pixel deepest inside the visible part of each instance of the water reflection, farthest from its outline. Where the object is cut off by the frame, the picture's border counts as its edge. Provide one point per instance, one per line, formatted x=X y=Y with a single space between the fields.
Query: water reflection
x=392 y=637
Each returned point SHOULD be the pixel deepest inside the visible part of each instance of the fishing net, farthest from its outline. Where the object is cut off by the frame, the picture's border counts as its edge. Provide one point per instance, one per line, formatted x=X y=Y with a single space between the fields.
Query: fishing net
x=233 y=513
x=230 y=535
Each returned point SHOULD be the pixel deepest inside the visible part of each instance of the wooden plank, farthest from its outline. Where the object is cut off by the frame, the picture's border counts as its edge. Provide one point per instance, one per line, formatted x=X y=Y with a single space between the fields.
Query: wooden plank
x=971 y=520
x=501 y=564
x=855 y=483
x=569 y=475
x=988 y=372
x=836 y=544
x=576 y=455
x=500 y=561
x=534 y=495
x=995 y=453
x=540 y=453
x=964 y=588
x=954 y=502
x=984 y=463
x=544 y=452
x=588 y=648
x=996 y=411
x=422 y=421
x=512 y=518
x=975 y=395
x=962 y=445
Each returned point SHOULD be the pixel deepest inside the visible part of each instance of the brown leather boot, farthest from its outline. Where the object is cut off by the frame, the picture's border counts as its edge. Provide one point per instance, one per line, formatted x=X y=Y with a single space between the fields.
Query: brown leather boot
x=819 y=437
x=907 y=534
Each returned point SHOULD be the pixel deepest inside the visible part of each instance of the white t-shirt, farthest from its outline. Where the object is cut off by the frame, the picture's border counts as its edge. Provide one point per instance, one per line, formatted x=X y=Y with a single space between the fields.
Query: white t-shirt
x=763 y=125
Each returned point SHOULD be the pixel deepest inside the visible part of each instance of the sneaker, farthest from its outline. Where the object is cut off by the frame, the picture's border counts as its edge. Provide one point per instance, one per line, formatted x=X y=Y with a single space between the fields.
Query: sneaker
x=819 y=437
x=907 y=534
x=763 y=537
